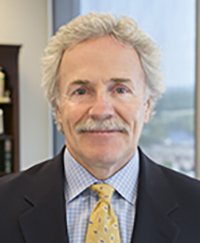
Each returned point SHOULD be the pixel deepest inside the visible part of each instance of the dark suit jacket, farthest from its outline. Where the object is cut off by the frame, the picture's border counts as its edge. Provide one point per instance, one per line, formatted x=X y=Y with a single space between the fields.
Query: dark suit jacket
x=32 y=205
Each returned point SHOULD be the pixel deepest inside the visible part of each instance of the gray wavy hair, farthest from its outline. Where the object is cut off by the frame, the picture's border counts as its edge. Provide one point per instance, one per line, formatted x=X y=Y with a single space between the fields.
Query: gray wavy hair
x=124 y=29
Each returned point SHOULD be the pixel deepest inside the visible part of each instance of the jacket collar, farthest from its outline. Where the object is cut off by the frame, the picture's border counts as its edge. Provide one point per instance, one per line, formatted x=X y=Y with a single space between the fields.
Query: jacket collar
x=155 y=203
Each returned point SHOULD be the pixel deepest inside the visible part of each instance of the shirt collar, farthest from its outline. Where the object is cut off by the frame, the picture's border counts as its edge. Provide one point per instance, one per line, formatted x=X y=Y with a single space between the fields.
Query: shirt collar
x=78 y=179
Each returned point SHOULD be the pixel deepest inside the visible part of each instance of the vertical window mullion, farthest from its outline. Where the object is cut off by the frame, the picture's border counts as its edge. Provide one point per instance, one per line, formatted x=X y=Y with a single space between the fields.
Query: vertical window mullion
x=198 y=89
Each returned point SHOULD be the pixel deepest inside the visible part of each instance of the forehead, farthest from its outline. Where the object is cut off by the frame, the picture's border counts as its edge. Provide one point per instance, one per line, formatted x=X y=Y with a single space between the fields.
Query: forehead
x=102 y=56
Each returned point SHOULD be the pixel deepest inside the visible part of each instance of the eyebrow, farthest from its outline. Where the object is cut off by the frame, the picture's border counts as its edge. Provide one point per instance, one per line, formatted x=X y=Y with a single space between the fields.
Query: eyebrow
x=120 y=80
x=80 y=82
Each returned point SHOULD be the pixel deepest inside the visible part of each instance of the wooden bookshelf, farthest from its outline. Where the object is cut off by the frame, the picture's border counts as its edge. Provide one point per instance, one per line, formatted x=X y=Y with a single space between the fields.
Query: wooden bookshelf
x=9 y=62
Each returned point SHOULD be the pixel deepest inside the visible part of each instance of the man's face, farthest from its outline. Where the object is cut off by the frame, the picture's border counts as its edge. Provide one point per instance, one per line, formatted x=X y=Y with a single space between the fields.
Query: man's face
x=102 y=103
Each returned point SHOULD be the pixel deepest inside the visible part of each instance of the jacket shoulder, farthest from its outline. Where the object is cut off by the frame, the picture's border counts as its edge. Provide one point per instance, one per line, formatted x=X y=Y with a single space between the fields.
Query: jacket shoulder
x=179 y=183
x=17 y=181
x=38 y=174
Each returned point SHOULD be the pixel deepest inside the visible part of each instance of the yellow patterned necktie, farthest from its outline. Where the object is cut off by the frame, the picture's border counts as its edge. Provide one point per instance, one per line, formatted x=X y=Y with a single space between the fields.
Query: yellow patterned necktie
x=103 y=225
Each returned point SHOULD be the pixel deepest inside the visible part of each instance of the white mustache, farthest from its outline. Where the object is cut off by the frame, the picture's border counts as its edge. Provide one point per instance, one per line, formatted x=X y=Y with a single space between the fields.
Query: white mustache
x=98 y=125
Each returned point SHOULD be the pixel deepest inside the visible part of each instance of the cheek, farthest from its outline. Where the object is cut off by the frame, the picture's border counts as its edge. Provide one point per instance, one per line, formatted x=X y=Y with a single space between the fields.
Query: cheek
x=131 y=113
x=72 y=114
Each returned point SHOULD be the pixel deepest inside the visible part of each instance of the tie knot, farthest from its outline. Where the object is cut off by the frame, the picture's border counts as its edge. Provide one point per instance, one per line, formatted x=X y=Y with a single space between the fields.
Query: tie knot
x=104 y=191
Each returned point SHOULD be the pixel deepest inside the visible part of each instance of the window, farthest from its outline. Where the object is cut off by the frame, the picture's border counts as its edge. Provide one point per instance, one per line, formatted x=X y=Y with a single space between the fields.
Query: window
x=169 y=136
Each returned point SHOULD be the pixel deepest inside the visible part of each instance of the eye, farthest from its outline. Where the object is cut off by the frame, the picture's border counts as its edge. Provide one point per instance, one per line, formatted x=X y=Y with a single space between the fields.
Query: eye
x=80 y=91
x=121 y=90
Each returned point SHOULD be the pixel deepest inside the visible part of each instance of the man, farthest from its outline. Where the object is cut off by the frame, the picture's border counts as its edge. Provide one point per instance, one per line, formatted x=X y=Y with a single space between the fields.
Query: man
x=102 y=77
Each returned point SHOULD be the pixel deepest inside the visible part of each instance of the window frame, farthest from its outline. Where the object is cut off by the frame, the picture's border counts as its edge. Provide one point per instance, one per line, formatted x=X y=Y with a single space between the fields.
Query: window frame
x=197 y=105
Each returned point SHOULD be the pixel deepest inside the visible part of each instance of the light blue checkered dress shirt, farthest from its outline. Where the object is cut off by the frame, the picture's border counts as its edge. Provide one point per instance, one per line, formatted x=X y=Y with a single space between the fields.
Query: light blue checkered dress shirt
x=80 y=200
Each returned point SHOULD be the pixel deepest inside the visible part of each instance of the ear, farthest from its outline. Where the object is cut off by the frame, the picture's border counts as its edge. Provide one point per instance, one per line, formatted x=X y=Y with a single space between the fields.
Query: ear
x=59 y=113
x=147 y=110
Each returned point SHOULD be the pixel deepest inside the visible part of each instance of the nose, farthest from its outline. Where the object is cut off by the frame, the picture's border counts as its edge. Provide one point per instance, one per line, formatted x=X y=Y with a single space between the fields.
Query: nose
x=102 y=107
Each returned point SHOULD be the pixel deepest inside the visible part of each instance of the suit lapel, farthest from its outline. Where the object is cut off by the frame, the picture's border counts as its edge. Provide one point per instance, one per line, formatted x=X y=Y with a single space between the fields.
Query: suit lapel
x=155 y=204
x=44 y=219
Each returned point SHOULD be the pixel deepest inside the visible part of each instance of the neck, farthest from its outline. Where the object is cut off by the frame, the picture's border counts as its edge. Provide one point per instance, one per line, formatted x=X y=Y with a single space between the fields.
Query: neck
x=101 y=173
